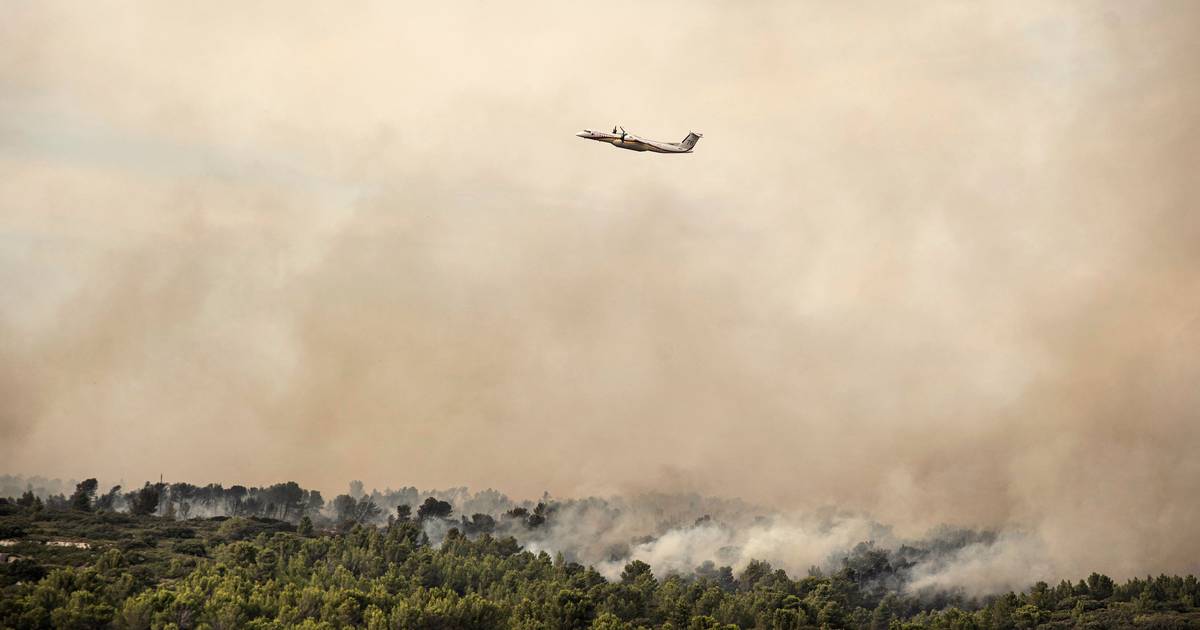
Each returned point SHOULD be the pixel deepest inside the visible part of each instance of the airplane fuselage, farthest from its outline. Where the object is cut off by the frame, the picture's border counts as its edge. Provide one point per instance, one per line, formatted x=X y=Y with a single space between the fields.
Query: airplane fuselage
x=631 y=142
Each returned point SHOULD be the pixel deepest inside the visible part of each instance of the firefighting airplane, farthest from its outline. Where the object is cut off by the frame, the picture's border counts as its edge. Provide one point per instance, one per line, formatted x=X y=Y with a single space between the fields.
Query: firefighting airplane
x=623 y=140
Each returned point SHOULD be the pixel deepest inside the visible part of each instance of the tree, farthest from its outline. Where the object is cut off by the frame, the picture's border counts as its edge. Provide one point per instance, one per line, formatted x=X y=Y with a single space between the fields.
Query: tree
x=306 y=527
x=343 y=507
x=252 y=506
x=479 y=524
x=403 y=513
x=28 y=499
x=82 y=610
x=433 y=508
x=288 y=498
x=884 y=613
x=84 y=492
x=755 y=571
x=144 y=502
x=1099 y=586
x=1029 y=616
x=233 y=499
x=635 y=570
x=347 y=510
x=366 y=510
x=538 y=517
x=180 y=498
x=314 y=502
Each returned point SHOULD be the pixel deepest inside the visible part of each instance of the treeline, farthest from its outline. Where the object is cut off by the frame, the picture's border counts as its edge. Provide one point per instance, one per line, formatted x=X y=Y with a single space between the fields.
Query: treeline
x=487 y=501
x=286 y=501
x=246 y=573
x=289 y=502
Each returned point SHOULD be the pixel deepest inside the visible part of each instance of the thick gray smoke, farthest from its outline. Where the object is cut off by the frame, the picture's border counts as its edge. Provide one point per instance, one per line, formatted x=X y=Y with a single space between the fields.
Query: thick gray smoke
x=933 y=264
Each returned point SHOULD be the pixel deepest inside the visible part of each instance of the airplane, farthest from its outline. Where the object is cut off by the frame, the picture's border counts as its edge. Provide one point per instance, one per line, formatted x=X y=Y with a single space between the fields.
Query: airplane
x=623 y=140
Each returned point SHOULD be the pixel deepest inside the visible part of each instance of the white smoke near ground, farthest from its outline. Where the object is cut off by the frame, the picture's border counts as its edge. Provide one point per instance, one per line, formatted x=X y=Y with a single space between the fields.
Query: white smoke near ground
x=944 y=559
x=681 y=534
x=1011 y=562
x=791 y=544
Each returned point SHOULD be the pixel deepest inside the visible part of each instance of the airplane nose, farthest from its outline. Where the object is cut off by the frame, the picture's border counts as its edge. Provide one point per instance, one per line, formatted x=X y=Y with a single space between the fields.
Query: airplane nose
x=583 y=134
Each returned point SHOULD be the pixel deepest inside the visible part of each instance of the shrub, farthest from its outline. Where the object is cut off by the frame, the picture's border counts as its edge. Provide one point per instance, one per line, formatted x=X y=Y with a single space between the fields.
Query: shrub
x=191 y=548
x=21 y=570
x=11 y=531
x=178 y=532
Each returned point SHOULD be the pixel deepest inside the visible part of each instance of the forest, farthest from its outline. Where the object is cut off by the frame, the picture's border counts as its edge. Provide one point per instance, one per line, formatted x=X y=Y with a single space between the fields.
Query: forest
x=185 y=556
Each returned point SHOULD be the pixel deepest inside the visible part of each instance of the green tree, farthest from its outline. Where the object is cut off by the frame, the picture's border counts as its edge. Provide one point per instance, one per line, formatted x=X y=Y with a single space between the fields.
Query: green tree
x=884 y=613
x=144 y=502
x=366 y=511
x=85 y=490
x=82 y=610
x=343 y=507
x=433 y=508
x=634 y=571
x=1099 y=586
x=28 y=499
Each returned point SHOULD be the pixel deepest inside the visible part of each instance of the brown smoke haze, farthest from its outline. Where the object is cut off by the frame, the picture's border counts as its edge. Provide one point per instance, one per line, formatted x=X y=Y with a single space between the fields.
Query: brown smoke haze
x=935 y=262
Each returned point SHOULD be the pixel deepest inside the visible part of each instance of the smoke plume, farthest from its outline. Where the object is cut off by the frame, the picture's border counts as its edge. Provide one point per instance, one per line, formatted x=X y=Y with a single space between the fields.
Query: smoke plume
x=931 y=264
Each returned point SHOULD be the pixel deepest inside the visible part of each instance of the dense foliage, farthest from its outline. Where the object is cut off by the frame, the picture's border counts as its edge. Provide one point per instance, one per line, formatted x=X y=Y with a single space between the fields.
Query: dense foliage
x=140 y=571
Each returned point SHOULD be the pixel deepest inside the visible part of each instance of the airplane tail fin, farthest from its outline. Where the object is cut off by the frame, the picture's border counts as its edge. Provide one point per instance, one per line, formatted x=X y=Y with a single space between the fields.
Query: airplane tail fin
x=691 y=140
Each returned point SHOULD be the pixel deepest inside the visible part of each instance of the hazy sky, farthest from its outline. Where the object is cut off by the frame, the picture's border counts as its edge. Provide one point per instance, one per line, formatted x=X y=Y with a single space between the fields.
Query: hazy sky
x=937 y=261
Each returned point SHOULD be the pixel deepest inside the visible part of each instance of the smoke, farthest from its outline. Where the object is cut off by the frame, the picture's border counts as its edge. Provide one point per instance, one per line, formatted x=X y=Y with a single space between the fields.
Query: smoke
x=791 y=544
x=1011 y=562
x=690 y=534
x=927 y=264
